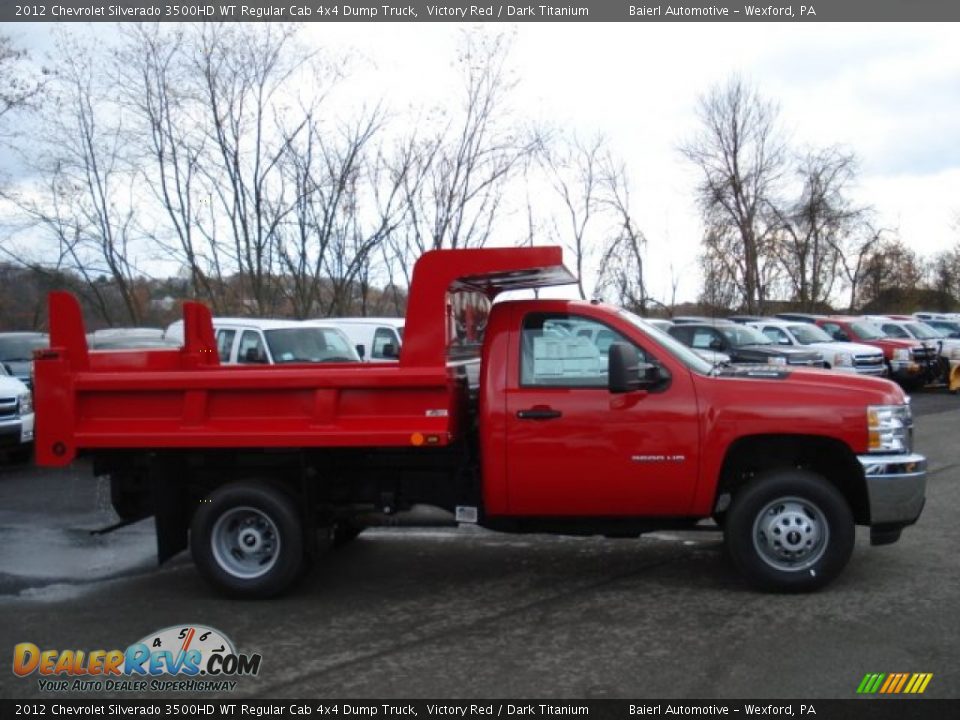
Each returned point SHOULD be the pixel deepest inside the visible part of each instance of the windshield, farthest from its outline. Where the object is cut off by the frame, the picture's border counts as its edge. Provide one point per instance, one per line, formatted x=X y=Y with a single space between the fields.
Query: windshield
x=946 y=327
x=867 y=331
x=923 y=331
x=740 y=335
x=309 y=344
x=807 y=334
x=680 y=351
x=20 y=349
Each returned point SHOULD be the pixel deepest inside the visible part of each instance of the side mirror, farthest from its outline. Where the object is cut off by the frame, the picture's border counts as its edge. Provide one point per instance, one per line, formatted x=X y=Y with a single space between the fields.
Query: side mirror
x=390 y=351
x=624 y=370
x=716 y=344
x=785 y=341
x=840 y=336
x=361 y=350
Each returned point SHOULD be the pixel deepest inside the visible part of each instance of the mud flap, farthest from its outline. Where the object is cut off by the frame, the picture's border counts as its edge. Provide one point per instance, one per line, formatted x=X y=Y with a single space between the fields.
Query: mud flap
x=170 y=505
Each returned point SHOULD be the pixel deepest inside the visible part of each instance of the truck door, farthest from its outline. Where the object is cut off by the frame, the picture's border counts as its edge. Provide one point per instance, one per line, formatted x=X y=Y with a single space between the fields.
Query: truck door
x=575 y=449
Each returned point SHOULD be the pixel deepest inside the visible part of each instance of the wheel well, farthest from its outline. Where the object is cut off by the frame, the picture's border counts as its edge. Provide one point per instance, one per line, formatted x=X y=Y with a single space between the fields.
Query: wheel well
x=750 y=456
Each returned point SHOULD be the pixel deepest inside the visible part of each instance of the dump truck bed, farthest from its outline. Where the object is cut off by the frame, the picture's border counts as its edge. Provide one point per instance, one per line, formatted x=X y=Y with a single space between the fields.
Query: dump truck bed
x=185 y=398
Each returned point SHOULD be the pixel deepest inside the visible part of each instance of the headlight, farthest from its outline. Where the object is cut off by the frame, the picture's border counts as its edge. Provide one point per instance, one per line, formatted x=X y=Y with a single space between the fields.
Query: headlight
x=890 y=428
x=776 y=361
x=902 y=354
x=26 y=404
x=843 y=360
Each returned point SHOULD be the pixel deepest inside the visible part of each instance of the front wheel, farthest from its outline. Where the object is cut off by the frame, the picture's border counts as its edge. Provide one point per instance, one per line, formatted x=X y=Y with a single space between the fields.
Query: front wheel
x=789 y=531
x=247 y=540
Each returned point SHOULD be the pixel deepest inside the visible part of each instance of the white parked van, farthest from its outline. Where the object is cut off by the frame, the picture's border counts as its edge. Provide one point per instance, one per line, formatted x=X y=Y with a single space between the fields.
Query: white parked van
x=375 y=339
x=250 y=341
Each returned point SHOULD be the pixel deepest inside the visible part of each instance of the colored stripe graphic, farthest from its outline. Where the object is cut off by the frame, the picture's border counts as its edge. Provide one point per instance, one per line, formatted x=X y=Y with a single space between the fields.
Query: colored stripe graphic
x=903 y=681
x=894 y=683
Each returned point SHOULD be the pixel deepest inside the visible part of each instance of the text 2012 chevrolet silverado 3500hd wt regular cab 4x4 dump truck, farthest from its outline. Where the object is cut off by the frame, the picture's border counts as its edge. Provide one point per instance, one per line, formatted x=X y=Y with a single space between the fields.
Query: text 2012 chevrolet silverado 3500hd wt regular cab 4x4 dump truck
x=585 y=421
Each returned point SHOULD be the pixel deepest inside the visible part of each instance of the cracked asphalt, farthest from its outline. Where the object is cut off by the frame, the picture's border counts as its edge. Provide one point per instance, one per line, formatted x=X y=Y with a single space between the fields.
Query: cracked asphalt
x=447 y=613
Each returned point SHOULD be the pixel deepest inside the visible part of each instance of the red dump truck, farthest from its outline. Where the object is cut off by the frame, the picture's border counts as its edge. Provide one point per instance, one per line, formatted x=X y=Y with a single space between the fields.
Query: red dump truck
x=582 y=419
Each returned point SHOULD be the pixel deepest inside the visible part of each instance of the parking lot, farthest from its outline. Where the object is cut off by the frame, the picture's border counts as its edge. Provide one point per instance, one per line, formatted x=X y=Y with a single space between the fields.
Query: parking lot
x=447 y=613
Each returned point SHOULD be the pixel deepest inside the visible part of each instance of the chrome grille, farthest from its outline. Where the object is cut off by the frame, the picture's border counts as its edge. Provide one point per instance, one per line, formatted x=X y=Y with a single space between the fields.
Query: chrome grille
x=869 y=364
x=8 y=407
x=806 y=363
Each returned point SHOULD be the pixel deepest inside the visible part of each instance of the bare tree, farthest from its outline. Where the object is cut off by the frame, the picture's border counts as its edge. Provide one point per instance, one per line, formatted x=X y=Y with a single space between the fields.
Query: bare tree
x=721 y=269
x=161 y=93
x=19 y=88
x=86 y=204
x=575 y=171
x=347 y=204
x=857 y=251
x=622 y=263
x=890 y=268
x=741 y=161
x=814 y=231
x=249 y=123
x=454 y=177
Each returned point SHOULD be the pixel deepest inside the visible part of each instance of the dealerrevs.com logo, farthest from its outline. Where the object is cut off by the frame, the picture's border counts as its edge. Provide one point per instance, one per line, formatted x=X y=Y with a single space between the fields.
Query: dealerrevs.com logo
x=188 y=658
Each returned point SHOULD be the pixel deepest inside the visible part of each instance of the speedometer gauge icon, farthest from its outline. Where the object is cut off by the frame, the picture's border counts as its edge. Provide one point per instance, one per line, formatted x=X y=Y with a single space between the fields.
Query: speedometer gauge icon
x=181 y=639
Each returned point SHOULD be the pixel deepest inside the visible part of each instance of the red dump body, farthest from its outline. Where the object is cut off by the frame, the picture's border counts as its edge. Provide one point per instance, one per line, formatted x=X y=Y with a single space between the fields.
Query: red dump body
x=185 y=399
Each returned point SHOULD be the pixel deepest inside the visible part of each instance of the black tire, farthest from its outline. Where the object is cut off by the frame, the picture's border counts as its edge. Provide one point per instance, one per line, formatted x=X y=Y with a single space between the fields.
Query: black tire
x=259 y=516
x=789 y=531
x=943 y=370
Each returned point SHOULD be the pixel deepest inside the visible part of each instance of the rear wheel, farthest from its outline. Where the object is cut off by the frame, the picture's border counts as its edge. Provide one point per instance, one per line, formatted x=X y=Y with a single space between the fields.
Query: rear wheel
x=789 y=531
x=247 y=540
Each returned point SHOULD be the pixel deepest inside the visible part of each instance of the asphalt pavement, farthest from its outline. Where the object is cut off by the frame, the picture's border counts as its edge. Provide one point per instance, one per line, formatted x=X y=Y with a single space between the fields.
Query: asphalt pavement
x=447 y=613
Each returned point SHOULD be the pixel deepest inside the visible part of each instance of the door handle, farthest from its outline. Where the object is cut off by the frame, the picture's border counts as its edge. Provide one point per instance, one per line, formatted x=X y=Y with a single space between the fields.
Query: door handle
x=538 y=413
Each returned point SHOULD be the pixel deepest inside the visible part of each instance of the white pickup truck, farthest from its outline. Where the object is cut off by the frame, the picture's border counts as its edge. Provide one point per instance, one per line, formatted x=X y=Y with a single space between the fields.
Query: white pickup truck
x=16 y=416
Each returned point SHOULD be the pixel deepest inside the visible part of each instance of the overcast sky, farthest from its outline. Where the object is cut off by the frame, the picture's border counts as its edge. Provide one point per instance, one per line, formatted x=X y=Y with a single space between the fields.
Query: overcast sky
x=888 y=92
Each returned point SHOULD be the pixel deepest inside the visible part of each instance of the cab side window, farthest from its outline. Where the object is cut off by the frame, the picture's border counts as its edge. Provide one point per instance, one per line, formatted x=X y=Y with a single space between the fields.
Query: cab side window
x=777 y=335
x=894 y=331
x=225 y=344
x=703 y=337
x=561 y=350
x=381 y=338
x=251 y=348
x=833 y=330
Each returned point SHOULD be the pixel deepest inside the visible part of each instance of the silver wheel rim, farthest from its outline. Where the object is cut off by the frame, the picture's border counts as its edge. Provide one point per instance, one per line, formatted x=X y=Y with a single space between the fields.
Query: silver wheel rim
x=791 y=534
x=245 y=542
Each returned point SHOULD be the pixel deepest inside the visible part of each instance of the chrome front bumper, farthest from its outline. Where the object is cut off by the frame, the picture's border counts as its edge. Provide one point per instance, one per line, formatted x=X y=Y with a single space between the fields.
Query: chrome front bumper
x=896 y=486
x=16 y=430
